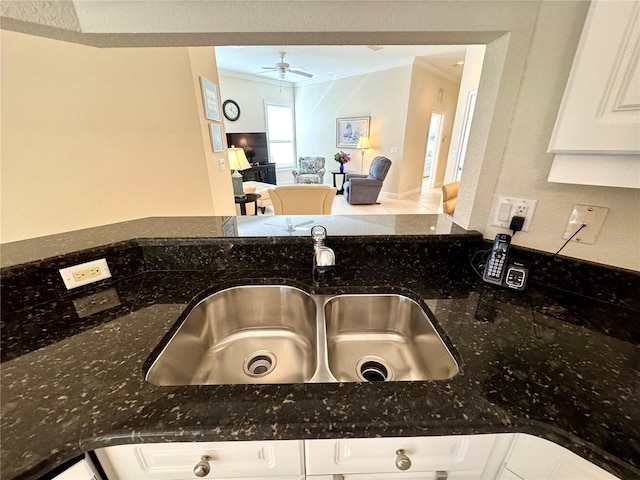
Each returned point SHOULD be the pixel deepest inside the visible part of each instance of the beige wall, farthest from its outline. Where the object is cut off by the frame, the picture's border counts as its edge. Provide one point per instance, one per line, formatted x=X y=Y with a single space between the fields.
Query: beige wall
x=250 y=96
x=423 y=101
x=95 y=136
x=525 y=162
x=383 y=96
x=399 y=102
x=203 y=64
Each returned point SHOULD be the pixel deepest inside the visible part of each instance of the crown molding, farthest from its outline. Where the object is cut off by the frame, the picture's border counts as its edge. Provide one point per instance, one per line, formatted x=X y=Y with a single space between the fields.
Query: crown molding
x=430 y=68
x=256 y=78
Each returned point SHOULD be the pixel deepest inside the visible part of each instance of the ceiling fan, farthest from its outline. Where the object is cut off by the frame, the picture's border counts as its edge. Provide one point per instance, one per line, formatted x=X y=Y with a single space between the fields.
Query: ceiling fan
x=291 y=228
x=282 y=67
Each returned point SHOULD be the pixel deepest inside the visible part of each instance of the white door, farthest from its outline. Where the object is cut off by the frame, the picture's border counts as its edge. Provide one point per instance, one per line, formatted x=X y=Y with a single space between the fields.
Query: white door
x=434 y=140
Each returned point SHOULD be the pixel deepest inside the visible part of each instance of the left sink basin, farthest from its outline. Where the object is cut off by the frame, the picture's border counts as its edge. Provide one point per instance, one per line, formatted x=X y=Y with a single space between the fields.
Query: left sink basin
x=247 y=334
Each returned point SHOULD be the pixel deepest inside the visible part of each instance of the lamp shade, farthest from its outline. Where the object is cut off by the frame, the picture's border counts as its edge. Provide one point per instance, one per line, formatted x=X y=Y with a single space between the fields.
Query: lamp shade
x=363 y=142
x=237 y=159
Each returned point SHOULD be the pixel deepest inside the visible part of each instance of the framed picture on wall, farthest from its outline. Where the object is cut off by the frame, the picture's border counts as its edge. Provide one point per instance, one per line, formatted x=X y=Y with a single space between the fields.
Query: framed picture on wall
x=350 y=129
x=210 y=99
x=216 y=137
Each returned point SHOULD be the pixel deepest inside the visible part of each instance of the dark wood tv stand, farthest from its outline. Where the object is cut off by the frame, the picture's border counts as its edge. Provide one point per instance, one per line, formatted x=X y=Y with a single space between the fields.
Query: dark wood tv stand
x=265 y=173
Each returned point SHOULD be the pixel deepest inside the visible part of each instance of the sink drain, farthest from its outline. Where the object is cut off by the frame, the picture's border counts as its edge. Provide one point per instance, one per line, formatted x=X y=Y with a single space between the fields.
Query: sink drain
x=374 y=369
x=259 y=363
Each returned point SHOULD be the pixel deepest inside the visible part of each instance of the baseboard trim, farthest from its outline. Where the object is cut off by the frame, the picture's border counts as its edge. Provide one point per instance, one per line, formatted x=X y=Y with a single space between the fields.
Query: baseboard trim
x=399 y=196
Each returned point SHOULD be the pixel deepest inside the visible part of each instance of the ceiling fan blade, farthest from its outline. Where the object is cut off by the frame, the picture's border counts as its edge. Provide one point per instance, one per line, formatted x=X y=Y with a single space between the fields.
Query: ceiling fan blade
x=270 y=68
x=300 y=72
x=301 y=226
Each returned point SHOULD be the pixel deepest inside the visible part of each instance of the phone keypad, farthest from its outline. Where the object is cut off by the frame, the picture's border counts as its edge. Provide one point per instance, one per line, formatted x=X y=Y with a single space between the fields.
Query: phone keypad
x=496 y=266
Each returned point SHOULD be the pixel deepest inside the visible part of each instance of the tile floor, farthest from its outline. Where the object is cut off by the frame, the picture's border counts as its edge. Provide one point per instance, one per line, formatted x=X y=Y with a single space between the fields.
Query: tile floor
x=428 y=201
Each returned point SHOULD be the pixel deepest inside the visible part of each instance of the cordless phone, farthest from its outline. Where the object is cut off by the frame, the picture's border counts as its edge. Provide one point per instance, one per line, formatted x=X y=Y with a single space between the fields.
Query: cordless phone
x=501 y=270
x=497 y=263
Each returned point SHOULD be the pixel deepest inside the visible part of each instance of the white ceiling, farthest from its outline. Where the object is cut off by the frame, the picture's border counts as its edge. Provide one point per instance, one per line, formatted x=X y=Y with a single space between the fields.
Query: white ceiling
x=330 y=62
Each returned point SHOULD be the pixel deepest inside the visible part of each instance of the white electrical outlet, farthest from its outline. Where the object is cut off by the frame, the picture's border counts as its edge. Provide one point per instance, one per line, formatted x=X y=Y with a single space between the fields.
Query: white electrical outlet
x=85 y=273
x=223 y=165
x=505 y=208
x=588 y=215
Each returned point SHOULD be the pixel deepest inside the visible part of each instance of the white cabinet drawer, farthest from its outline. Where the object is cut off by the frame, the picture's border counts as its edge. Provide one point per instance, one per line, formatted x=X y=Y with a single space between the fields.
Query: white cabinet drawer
x=467 y=455
x=176 y=461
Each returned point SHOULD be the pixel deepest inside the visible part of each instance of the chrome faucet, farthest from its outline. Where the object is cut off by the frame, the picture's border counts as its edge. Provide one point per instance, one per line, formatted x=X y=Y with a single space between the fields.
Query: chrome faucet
x=324 y=258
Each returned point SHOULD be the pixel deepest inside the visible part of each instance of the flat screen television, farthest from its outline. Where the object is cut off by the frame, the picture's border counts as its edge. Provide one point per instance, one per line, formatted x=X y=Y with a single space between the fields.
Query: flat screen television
x=254 y=145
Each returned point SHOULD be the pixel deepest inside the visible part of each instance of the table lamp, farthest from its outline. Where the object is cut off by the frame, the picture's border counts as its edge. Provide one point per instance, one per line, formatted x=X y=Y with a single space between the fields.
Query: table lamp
x=237 y=161
x=363 y=144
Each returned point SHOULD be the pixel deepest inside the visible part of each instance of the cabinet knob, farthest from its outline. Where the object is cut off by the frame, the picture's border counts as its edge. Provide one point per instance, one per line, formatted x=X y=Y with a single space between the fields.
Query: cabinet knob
x=202 y=468
x=402 y=461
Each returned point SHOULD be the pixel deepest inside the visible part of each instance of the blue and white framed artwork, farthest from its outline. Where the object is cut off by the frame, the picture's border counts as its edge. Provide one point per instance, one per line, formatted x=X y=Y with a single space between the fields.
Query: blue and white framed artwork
x=210 y=99
x=350 y=129
x=216 y=137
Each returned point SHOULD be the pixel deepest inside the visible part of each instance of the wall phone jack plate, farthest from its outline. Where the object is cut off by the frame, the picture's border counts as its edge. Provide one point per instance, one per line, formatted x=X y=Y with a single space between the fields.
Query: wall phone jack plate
x=591 y=216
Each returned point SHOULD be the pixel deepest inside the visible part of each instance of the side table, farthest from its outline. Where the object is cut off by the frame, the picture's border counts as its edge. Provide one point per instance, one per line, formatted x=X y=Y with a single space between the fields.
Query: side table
x=336 y=174
x=249 y=197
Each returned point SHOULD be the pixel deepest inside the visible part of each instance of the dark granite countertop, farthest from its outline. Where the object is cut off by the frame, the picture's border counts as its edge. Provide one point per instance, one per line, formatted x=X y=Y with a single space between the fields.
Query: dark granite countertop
x=547 y=362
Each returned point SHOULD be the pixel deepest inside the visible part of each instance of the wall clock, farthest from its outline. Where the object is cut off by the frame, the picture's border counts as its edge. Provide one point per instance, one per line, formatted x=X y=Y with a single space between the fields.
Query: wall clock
x=231 y=110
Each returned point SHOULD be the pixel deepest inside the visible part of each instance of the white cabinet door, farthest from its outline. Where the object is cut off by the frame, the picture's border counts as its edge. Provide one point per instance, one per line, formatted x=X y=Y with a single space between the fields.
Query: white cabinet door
x=534 y=458
x=460 y=456
x=83 y=470
x=176 y=461
x=597 y=134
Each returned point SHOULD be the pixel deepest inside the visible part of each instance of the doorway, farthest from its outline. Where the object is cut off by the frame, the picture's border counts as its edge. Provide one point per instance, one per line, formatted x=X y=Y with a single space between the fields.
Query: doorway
x=434 y=140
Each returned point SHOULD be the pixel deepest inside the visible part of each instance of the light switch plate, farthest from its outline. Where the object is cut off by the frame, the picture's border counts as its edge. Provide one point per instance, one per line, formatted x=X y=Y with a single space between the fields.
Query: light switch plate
x=590 y=215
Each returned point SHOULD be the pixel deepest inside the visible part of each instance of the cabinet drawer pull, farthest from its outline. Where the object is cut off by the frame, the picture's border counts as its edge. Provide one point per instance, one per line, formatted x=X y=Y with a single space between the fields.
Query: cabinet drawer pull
x=202 y=468
x=402 y=461
x=442 y=475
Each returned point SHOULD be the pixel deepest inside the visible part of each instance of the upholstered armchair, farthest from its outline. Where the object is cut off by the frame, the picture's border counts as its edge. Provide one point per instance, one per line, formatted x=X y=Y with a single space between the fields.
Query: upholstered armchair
x=362 y=189
x=302 y=199
x=449 y=197
x=310 y=170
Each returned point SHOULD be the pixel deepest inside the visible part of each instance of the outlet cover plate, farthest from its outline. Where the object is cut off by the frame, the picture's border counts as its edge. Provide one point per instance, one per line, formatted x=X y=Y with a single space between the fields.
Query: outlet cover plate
x=590 y=215
x=99 y=271
x=504 y=208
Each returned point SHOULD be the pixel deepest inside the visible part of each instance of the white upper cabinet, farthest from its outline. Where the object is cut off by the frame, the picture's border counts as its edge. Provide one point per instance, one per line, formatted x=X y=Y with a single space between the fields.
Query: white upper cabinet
x=597 y=134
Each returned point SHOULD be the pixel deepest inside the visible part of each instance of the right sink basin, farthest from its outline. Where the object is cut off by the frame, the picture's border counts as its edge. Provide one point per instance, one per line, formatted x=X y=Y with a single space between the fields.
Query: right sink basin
x=384 y=337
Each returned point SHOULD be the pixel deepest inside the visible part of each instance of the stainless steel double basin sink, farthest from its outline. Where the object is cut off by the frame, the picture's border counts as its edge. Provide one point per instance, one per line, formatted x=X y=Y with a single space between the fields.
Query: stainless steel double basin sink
x=281 y=334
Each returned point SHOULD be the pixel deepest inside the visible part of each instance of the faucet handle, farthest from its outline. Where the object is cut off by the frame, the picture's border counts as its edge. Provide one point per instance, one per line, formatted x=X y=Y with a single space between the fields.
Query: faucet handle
x=318 y=233
x=325 y=257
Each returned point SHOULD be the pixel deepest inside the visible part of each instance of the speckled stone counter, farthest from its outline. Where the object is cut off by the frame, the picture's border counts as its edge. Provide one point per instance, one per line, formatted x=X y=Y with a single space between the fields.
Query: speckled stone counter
x=548 y=362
